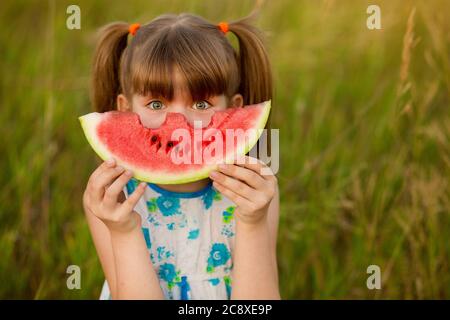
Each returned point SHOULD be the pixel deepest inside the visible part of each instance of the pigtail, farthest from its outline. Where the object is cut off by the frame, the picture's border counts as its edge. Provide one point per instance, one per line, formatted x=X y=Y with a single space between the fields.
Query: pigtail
x=254 y=65
x=105 y=68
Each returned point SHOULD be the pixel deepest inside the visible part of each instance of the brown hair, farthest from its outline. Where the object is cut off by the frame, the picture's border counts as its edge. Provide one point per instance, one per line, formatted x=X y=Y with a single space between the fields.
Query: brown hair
x=197 y=48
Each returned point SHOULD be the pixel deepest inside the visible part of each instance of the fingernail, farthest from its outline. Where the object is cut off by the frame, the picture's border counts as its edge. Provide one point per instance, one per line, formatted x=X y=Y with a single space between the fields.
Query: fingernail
x=119 y=168
x=129 y=173
x=213 y=174
x=142 y=184
x=110 y=161
x=222 y=166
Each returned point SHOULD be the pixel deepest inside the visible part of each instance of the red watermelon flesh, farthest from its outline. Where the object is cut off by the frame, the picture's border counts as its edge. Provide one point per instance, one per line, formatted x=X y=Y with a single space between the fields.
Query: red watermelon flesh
x=160 y=155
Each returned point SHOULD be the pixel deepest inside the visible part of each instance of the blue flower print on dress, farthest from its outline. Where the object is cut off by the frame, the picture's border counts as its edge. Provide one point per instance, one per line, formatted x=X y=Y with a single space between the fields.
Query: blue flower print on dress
x=214 y=281
x=152 y=219
x=152 y=258
x=210 y=196
x=227 y=215
x=131 y=185
x=171 y=226
x=226 y=231
x=146 y=233
x=218 y=256
x=168 y=205
x=163 y=253
x=193 y=234
x=151 y=205
x=227 y=281
x=169 y=274
x=184 y=288
x=227 y=218
x=152 y=208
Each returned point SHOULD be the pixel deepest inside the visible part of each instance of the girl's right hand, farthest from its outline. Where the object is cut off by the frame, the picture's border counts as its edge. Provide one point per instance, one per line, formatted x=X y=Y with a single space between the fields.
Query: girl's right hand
x=101 y=197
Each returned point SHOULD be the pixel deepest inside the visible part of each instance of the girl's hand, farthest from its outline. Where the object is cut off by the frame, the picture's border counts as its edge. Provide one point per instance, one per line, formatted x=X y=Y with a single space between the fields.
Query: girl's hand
x=247 y=187
x=101 y=197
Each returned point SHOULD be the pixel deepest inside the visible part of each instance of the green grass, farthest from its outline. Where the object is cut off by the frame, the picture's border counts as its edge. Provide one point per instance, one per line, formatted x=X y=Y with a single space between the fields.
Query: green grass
x=364 y=129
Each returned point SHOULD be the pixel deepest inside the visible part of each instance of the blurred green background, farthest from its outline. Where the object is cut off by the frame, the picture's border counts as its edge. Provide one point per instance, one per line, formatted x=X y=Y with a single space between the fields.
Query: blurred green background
x=364 y=127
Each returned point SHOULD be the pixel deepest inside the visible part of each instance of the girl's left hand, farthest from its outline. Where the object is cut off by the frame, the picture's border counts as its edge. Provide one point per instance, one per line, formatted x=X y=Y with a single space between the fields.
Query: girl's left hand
x=245 y=185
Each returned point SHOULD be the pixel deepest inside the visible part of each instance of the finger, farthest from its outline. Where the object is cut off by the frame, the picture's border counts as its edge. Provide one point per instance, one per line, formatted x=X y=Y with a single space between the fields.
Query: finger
x=248 y=176
x=256 y=165
x=110 y=163
x=104 y=180
x=233 y=184
x=112 y=192
x=233 y=196
x=129 y=204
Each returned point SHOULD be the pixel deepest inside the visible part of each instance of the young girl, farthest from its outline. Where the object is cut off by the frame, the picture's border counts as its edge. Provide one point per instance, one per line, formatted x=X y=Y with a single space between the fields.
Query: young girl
x=210 y=239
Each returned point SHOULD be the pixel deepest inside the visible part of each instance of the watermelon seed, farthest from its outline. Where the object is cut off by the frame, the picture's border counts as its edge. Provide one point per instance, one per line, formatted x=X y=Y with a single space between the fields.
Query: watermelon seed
x=154 y=139
x=207 y=143
x=170 y=145
x=159 y=146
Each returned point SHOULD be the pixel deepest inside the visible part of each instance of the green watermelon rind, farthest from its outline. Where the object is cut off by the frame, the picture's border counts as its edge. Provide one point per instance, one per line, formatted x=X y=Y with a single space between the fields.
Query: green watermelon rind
x=89 y=123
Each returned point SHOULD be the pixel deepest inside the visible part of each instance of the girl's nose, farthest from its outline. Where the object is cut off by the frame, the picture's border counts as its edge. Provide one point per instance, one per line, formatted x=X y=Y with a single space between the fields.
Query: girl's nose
x=182 y=110
x=192 y=118
x=178 y=108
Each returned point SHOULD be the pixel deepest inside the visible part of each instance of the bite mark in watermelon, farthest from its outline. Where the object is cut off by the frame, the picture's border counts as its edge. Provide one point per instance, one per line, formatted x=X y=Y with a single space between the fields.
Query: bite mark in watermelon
x=148 y=153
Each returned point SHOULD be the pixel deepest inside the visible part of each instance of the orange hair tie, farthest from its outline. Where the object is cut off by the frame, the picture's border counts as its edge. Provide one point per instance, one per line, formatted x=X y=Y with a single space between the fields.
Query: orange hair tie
x=133 y=28
x=223 y=26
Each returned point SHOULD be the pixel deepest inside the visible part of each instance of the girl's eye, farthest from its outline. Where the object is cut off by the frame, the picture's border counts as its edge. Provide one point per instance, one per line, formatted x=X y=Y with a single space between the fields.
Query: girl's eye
x=155 y=105
x=202 y=105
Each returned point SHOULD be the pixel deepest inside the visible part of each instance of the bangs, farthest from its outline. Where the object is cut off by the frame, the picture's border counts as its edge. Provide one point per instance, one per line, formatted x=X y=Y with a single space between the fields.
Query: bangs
x=205 y=68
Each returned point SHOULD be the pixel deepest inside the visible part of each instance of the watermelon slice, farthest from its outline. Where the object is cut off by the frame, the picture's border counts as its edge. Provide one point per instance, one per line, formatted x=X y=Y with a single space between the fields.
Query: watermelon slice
x=176 y=152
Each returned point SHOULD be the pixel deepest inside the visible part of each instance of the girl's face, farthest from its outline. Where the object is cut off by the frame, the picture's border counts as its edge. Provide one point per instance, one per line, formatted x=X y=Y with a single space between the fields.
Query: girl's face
x=152 y=110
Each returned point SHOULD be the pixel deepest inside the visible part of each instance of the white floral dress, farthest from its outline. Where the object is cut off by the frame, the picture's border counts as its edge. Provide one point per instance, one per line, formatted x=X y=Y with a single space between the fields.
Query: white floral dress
x=190 y=238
